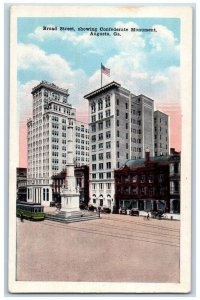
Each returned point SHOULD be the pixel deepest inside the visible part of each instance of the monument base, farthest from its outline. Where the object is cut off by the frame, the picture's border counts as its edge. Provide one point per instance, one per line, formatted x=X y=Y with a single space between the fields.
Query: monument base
x=70 y=203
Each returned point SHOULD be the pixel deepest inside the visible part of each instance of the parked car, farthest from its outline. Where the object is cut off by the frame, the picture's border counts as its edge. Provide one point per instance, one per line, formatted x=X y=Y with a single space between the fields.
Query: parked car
x=123 y=211
x=134 y=212
x=157 y=214
x=92 y=208
x=83 y=206
x=106 y=210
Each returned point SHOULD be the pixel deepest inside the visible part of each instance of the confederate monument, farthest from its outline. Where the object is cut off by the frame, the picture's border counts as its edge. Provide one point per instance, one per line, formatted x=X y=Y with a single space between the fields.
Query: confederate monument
x=70 y=193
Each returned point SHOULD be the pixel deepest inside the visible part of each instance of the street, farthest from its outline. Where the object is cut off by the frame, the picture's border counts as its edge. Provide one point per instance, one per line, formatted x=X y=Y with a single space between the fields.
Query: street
x=113 y=248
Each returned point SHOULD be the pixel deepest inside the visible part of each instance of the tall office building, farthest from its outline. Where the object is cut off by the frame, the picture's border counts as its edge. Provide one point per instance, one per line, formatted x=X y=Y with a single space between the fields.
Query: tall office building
x=82 y=144
x=121 y=128
x=161 y=133
x=47 y=136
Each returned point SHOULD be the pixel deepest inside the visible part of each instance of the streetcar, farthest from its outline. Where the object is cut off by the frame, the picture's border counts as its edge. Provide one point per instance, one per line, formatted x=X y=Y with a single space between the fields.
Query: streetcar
x=31 y=211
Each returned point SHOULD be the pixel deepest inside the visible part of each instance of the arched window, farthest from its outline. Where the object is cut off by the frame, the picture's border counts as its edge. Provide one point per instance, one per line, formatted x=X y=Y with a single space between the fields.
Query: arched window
x=107 y=101
x=100 y=104
x=93 y=107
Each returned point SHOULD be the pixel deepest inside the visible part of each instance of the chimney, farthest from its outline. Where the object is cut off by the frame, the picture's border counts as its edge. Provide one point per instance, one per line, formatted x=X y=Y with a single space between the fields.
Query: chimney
x=147 y=155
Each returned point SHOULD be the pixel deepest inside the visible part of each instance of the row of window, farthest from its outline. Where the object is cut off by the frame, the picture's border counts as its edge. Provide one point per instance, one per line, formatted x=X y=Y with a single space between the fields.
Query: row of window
x=100 y=116
x=101 y=155
x=101 y=166
x=82 y=129
x=139 y=178
x=100 y=104
x=101 y=145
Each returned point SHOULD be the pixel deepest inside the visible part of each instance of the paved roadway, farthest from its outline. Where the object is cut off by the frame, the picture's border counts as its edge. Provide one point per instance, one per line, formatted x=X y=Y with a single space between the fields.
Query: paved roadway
x=113 y=248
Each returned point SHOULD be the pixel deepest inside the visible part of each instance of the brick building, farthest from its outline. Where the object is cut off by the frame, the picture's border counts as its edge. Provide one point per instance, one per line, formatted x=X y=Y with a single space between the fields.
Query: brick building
x=146 y=184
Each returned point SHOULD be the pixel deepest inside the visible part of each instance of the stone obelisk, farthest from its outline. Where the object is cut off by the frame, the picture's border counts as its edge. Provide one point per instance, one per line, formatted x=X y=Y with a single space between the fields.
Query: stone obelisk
x=70 y=193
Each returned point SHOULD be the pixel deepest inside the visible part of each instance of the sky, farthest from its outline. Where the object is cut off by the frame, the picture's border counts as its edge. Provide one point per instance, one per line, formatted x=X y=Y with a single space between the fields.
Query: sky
x=144 y=62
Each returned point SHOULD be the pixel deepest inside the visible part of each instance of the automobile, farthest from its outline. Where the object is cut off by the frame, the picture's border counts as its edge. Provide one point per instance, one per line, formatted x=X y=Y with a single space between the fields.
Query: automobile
x=123 y=211
x=83 y=206
x=159 y=213
x=91 y=208
x=134 y=212
x=106 y=210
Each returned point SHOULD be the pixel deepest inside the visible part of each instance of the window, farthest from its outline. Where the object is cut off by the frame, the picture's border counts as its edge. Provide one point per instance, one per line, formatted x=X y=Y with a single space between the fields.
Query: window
x=126 y=155
x=117 y=133
x=101 y=186
x=100 y=156
x=134 y=190
x=108 y=186
x=142 y=178
x=100 y=175
x=108 y=123
x=100 y=115
x=93 y=107
x=100 y=125
x=93 y=176
x=94 y=157
x=117 y=154
x=117 y=123
x=108 y=134
x=117 y=112
x=108 y=165
x=100 y=104
x=126 y=104
x=126 y=135
x=108 y=155
x=126 y=116
x=117 y=101
x=108 y=175
x=107 y=101
x=142 y=190
x=93 y=128
x=101 y=166
x=100 y=136
x=108 y=145
x=100 y=145
x=126 y=125
x=108 y=113
x=93 y=167
x=150 y=179
x=93 y=138
x=94 y=118
x=134 y=178
x=117 y=144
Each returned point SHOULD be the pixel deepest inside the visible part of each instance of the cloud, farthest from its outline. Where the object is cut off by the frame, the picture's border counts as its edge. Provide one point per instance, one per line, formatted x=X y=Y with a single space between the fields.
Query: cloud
x=50 y=67
x=24 y=99
x=162 y=38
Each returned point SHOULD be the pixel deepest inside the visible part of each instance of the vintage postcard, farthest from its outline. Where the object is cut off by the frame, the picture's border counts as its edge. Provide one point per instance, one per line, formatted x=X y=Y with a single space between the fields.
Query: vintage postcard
x=100 y=149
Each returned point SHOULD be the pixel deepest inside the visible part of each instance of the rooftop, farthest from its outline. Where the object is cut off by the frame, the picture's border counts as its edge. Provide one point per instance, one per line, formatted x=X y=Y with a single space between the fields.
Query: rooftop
x=131 y=163
x=50 y=85
x=104 y=88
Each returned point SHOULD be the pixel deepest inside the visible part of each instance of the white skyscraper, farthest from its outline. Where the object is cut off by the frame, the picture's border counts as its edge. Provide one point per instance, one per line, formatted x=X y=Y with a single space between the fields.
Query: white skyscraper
x=47 y=139
x=121 y=128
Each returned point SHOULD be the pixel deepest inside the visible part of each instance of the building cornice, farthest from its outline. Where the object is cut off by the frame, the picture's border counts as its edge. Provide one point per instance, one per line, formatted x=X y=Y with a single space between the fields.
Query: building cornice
x=51 y=86
x=104 y=88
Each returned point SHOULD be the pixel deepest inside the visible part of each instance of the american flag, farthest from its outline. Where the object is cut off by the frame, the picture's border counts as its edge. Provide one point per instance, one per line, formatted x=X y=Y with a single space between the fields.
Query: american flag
x=105 y=70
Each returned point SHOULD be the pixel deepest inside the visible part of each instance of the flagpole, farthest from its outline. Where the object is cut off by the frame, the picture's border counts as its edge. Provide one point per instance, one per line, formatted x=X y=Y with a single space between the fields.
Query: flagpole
x=101 y=74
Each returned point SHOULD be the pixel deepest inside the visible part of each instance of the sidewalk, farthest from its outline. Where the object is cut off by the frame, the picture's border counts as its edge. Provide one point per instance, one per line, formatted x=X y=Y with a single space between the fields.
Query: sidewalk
x=166 y=215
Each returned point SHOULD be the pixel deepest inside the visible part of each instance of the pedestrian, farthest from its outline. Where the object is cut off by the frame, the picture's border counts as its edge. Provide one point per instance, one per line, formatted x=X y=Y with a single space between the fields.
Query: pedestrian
x=148 y=216
x=22 y=217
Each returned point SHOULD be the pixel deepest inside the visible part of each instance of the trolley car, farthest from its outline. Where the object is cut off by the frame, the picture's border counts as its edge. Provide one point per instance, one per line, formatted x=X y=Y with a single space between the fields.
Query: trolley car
x=31 y=211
